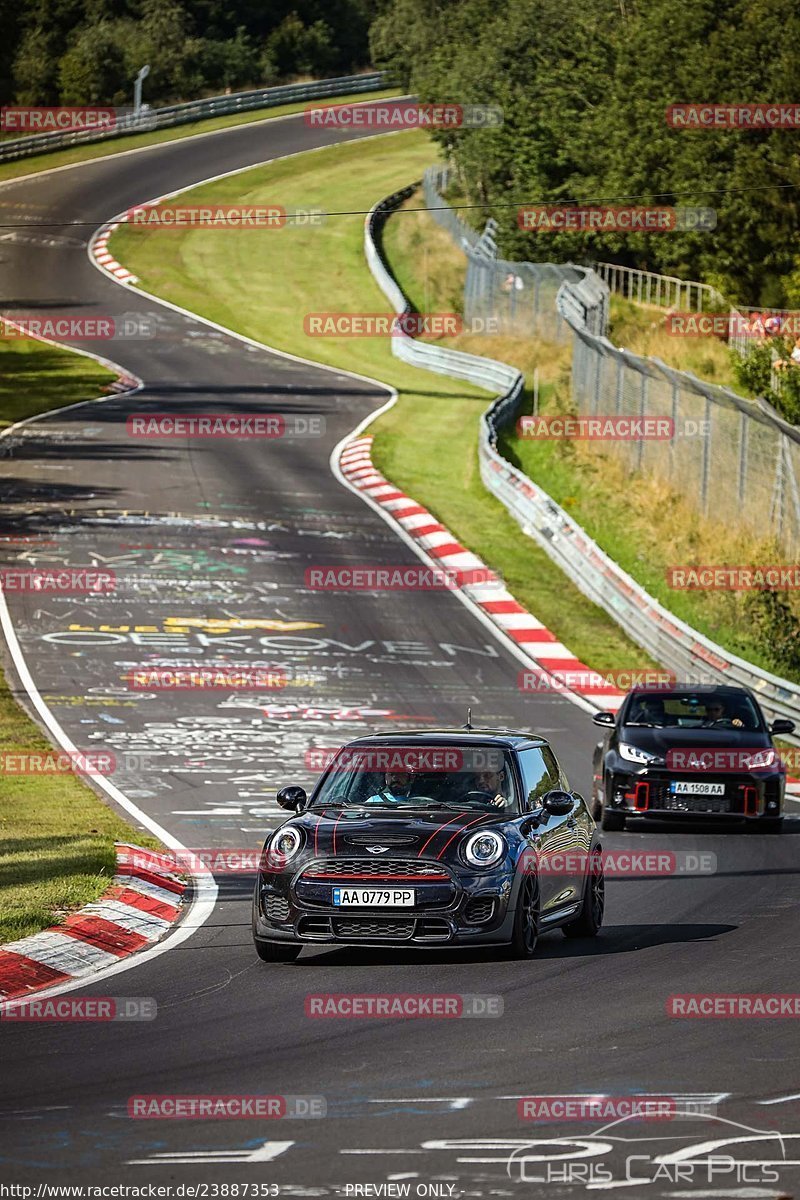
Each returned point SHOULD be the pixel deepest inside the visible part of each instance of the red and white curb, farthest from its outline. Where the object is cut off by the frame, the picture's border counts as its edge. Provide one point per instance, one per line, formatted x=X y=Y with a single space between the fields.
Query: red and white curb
x=105 y=260
x=495 y=601
x=143 y=902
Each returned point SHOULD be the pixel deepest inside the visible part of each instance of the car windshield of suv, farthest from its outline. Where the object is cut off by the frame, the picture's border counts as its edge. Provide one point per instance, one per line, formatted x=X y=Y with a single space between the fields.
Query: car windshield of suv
x=694 y=710
x=387 y=777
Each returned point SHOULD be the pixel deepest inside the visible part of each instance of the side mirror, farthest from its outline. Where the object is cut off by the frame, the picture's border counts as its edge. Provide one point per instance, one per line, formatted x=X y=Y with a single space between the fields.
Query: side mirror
x=293 y=798
x=558 y=803
x=782 y=725
x=604 y=718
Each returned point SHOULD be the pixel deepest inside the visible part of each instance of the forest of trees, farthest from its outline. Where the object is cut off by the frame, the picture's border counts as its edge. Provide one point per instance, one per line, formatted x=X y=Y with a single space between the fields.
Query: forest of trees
x=88 y=51
x=584 y=85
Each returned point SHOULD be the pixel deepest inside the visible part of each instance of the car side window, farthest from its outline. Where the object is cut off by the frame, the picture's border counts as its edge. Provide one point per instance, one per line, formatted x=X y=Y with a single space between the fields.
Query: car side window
x=555 y=770
x=539 y=775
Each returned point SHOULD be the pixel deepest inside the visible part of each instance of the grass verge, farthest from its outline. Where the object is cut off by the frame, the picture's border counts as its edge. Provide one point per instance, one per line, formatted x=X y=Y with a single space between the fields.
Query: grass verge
x=62 y=158
x=56 y=835
x=36 y=377
x=641 y=522
x=427 y=443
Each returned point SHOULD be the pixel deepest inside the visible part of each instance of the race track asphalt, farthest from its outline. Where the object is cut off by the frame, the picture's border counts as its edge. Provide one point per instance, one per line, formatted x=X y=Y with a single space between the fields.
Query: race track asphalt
x=209 y=541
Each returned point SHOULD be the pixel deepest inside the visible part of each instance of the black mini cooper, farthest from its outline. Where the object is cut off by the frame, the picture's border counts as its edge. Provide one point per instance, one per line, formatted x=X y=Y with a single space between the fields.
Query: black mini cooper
x=446 y=838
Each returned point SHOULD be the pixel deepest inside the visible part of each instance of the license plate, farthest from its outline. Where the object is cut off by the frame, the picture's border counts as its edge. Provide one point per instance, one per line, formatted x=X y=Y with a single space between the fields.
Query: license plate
x=696 y=788
x=374 y=897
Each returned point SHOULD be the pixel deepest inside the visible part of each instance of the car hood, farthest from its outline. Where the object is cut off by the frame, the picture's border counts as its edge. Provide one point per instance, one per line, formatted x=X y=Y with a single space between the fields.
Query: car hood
x=332 y=830
x=659 y=741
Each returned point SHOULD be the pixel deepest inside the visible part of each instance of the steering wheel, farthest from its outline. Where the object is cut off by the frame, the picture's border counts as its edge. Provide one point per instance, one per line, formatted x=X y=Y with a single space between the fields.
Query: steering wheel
x=483 y=797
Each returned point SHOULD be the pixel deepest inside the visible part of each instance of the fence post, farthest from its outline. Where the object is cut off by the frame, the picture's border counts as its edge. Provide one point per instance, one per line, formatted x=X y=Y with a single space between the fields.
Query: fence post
x=706 y=458
x=642 y=413
x=744 y=426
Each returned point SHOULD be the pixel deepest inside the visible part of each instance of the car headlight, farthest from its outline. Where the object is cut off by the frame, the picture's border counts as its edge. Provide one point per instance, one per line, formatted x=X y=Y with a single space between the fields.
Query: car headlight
x=484 y=849
x=634 y=754
x=283 y=845
x=760 y=759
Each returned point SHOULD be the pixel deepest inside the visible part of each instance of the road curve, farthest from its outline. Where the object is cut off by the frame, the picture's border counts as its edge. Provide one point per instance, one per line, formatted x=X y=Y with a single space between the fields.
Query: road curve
x=209 y=541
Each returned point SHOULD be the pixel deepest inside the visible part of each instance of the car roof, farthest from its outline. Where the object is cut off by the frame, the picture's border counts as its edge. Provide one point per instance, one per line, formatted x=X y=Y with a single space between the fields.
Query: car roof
x=507 y=739
x=683 y=689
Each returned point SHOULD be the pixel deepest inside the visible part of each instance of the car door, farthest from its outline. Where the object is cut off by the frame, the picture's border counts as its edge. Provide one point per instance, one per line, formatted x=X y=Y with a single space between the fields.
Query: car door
x=553 y=837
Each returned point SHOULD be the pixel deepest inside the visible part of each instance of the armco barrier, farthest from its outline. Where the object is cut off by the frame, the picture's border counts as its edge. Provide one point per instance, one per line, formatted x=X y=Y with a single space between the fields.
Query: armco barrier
x=669 y=640
x=196 y=110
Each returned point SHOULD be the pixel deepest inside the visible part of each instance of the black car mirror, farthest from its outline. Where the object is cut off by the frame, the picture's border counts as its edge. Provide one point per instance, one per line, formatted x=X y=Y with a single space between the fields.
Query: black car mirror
x=603 y=718
x=782 y=725
x=293 y=798
x=557 y=803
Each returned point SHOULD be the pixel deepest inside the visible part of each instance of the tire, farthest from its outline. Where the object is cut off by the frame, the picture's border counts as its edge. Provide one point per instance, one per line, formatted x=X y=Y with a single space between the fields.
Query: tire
x=275 y=952
x=611 y=821
x=526 y=920
x=590 y=918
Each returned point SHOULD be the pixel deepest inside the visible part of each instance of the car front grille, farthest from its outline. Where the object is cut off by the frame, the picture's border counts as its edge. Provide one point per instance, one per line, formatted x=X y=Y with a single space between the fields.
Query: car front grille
x=360 y=927
x=372 y=928
x=375 y=868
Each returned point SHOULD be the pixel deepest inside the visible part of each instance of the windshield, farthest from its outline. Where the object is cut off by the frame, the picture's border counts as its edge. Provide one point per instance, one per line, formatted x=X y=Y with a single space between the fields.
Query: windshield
x=694 y=710
x=419 y=777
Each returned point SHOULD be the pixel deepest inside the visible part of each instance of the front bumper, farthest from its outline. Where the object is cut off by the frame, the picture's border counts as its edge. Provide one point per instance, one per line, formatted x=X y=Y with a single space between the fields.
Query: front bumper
x=648 y=791
x=448 y=911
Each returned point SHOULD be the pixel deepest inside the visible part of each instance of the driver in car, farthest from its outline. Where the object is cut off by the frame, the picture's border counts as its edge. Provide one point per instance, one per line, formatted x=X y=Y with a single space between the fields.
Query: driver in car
x=490 y=783
x=397 y=786
x=717 y=711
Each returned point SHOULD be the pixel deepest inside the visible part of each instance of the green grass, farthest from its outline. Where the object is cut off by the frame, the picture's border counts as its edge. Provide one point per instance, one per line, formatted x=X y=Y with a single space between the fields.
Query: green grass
x=638 y=520
x=56 y=835
x=641 y=328
x=428 y=443
x=35 y=378
x=61 y=158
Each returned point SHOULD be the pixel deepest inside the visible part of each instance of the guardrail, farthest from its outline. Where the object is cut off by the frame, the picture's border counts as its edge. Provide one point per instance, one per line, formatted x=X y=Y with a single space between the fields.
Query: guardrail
x=667 y=639
x=195 y=110
x=648 y=287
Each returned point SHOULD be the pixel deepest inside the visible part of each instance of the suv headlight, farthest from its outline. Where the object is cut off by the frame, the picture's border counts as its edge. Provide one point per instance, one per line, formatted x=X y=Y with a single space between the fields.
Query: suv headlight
x=283 y=846
x=634 y=754
x=484 y=849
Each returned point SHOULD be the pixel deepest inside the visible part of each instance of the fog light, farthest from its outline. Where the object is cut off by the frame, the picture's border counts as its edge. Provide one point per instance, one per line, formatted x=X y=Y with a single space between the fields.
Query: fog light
x=772 y=804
